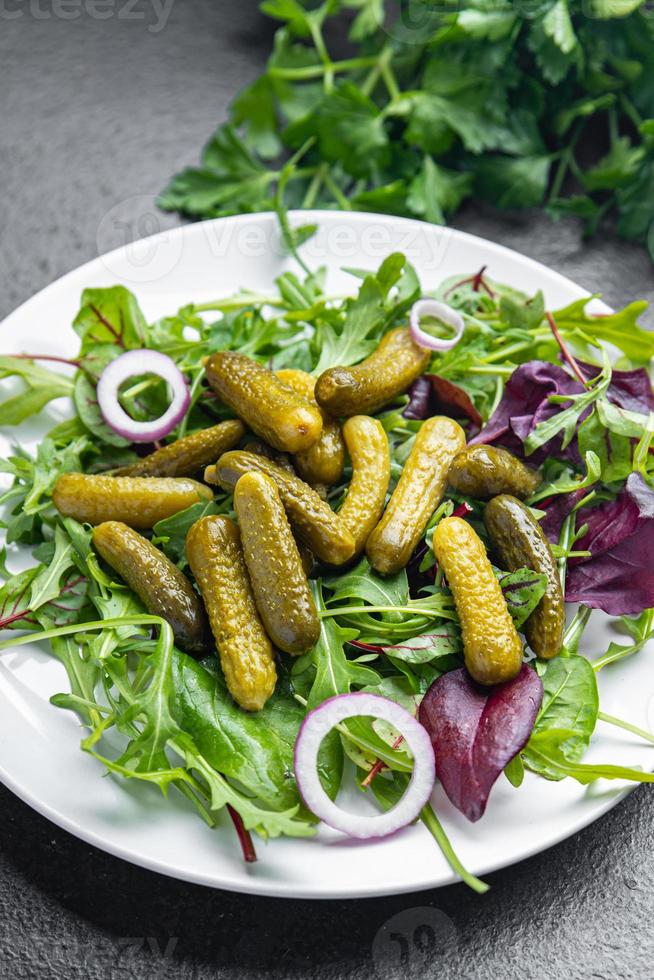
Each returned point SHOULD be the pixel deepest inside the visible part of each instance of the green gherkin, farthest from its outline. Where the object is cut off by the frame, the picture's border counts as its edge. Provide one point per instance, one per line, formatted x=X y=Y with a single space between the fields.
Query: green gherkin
x=486 y=471
x=162 y=588
x=520 y=542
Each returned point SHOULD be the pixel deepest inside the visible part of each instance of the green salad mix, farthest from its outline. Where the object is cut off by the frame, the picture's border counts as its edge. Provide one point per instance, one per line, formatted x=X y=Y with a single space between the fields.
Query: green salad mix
x=537 y=382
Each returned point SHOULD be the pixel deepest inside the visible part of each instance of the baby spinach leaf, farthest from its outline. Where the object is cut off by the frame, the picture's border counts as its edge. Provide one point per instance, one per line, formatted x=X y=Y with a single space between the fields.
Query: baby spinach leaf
x=256 y=749
x=363 y=584
x=570 y=706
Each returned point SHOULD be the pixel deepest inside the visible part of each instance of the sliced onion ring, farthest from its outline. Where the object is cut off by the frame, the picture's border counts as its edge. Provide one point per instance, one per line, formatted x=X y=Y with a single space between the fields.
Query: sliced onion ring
x=319 y=722
x=441 y=311
x=129 y=365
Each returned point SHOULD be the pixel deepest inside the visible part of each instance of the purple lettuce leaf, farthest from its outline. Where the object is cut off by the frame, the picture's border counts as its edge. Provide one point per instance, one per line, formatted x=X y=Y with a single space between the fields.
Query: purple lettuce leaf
x=631 y=390
x=476 y=731
x=525 y=403
x=432 y=395
x=618 y=577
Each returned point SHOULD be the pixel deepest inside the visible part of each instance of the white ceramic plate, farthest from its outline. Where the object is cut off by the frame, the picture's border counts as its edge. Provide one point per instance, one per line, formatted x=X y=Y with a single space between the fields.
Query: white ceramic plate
x=40 y=759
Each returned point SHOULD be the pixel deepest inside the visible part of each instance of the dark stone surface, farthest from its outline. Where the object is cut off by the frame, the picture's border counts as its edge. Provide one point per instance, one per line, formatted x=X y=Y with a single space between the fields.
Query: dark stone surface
x=96 y=115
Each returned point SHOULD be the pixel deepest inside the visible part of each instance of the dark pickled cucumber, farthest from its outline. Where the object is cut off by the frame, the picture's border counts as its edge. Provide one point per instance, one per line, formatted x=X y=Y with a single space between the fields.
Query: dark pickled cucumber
x=188 y=455
x=520 y=542
x=416 y=496
x=486 y=471
x=366 y=387
x=311 y=517
x=139 y=501
x=279 y=582
x=323 y=463
x=367 y=445
x=214 y=552
x=274 y=411
x=162 y=588
x=491 y=645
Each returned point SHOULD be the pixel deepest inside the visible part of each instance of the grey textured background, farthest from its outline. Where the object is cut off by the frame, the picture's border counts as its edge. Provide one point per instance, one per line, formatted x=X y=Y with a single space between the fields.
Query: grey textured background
x=96 y=115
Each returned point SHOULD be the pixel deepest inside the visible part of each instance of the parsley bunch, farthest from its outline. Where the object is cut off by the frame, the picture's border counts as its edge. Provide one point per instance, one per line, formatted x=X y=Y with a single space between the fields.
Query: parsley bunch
x=526 y=103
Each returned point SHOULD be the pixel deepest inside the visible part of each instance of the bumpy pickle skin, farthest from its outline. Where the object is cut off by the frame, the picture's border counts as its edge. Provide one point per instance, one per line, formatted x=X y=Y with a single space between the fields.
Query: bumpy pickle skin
x=189 y=455
x=323 y=463
x=491 y=645
x=366 y=387
x=313 y=520
x=418 y=493
x=270 y=408
x=520 y=542
x=486 y=471
x=162 y=588
x=138 y=501
x=279 y=583
x=367 y=446
x=214 y=552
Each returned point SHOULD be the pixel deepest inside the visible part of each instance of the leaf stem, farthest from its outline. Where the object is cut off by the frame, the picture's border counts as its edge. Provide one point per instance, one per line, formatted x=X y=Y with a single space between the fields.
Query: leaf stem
x=628 y=727
x=435 y=828
x=567 y=356
x=318 y=71
x=244 y=836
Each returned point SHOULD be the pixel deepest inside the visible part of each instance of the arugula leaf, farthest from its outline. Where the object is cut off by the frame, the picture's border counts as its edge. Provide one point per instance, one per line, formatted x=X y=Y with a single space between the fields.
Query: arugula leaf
x=366 y=316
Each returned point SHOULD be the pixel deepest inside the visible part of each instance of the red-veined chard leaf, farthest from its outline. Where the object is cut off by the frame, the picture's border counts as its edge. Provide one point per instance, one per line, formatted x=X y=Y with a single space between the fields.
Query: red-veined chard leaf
x=476 y=732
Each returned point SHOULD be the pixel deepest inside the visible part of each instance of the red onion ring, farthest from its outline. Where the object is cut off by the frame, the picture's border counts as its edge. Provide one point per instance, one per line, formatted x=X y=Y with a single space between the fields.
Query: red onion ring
x=319 y=722
x=434 y=308
x=129 y=365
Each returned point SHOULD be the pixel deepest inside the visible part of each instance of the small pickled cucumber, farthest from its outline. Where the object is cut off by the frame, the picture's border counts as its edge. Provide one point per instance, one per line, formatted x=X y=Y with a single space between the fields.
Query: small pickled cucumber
x=368 y=386
x=520 y=542
x=162 y=588
x=367 y=445
x=486 y=471
x=491 y=645
x=283 y=460
x=312 y=519
x=270 y=408
x=323 y=463
x=138 y=501
x=417 y=495
x=279 y=582
x=214 y=552
x=188 y=455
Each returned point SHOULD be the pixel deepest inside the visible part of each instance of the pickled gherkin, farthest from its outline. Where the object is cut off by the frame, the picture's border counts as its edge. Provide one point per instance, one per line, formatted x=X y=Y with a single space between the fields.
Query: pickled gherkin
x=486 y=471
x=162 y=588
x=270 y=408
x=323 y=463
x=279 y=582
x=417 y=495
x=138 y=501
x=520 y=542
x=312 y=518
x=367 y=445
x=366 y=387
x=214 y=552
x=491 y=645
x=189 y=455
